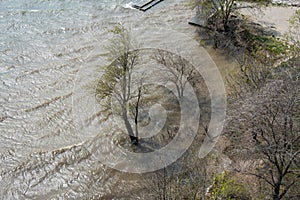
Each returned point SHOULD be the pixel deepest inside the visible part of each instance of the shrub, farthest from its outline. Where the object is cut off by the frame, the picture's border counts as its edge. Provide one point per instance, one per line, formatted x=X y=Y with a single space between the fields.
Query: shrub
x=226 y=187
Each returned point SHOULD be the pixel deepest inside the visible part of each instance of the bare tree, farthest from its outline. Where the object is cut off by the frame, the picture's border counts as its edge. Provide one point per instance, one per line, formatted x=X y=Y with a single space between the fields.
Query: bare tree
x=116 y=84
x=185 y=179
x=218 y=13
x=178 y=70
x=267 y=125
x=251 y=74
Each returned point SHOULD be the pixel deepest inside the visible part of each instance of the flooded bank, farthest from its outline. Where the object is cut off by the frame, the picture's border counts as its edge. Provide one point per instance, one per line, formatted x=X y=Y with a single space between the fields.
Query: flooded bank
x=50 y=51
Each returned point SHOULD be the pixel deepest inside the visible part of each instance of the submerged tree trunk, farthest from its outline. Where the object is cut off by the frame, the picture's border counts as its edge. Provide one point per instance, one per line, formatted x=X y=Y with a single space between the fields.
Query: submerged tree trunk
x=133 y=138
x=137 y=112
x=136 y=123
x=276 y=191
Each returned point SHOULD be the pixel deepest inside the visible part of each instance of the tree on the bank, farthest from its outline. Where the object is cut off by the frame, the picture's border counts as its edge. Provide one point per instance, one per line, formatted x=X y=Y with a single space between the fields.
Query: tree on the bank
x=116 y=90
x=216 y=12
x=187 y=178
x=267 y=124
x=251 y=74
x=266 y=120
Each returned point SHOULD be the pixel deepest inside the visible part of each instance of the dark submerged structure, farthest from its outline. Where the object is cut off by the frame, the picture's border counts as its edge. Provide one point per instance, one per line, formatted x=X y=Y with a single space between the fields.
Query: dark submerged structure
x=146 y=4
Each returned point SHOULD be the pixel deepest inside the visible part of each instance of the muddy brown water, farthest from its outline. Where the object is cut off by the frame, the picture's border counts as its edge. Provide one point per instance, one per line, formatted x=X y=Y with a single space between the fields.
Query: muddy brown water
x=51 y=128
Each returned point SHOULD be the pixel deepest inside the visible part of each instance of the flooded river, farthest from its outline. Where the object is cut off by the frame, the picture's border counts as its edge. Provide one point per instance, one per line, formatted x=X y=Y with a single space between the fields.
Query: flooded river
x=49 y=133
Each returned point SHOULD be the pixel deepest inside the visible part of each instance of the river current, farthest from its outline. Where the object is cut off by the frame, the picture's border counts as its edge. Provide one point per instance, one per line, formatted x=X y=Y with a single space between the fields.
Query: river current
x=51 y=131
x=49 y=51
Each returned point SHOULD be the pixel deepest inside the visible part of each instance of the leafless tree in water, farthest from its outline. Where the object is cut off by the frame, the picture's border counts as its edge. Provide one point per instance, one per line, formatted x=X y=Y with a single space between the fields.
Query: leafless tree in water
x=177 y=70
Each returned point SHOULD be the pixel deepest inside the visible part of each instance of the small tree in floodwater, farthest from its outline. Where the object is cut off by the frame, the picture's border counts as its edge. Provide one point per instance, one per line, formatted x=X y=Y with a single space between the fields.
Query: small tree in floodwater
x=116 y=87
x=177 y=70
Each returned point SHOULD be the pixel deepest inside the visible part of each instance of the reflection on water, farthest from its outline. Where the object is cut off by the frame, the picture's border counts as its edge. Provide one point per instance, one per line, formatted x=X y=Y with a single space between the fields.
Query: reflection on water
x=49 y=50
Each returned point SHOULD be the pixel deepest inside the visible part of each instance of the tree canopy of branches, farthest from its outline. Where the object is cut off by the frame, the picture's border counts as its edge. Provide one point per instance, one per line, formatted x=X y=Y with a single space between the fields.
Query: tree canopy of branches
x=217 y=11
x=269 y=126
x=187 y=179
x=264 y=124
x=178 y=70
x=116 y=85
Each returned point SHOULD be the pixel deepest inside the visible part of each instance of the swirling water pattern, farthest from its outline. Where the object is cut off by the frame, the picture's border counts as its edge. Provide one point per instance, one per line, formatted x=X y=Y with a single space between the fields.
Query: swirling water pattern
x=44 y=45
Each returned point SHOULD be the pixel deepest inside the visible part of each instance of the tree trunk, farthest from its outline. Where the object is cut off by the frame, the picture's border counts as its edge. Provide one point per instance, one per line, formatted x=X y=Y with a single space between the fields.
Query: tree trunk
x=136 y=123
x=137 y=114
x=129 y=129
x=276 y=192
